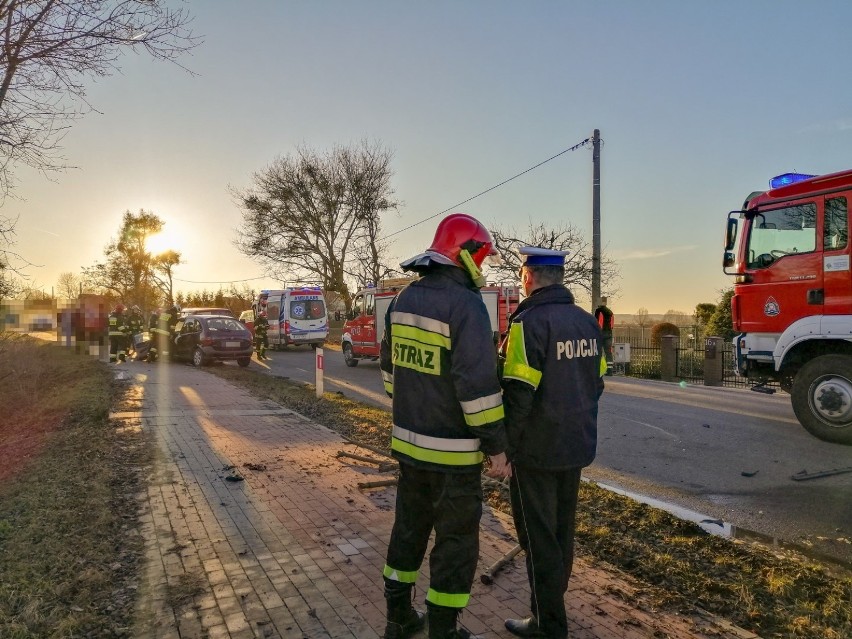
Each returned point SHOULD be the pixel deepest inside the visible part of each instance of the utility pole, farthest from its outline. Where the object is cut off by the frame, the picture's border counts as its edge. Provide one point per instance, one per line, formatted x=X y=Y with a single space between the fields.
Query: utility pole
x=596 y=219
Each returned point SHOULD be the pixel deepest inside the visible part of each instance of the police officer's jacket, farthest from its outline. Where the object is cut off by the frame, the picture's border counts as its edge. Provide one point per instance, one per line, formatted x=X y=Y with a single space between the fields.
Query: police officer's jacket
x=439 y=364
x=552 y=367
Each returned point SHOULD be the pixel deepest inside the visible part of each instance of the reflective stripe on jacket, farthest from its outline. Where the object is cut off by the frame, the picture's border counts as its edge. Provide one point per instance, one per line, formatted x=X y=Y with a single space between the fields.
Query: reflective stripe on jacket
x=261 y=326
x=553 y=362
x=117 y=325
x=439 y=364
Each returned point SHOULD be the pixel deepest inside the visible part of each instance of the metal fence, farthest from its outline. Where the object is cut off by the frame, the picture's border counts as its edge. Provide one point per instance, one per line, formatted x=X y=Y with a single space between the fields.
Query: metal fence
x=645 y=361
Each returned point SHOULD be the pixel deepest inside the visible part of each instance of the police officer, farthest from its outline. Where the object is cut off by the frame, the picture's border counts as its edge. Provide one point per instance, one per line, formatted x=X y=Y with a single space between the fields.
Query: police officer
x=439 y=364
x=261 y=340
x=117 y=327
x=552 y=379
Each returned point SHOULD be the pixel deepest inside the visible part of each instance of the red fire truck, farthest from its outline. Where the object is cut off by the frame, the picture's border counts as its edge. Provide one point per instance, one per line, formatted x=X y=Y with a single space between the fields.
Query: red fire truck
x=789 y=251
x=363 y=331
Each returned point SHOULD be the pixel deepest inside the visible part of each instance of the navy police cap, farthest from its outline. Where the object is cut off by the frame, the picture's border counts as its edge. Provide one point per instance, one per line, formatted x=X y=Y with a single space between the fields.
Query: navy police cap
x=537 y=256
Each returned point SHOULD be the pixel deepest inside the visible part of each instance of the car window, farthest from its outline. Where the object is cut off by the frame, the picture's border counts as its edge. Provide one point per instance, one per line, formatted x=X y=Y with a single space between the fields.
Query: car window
x=179 y=326
x=224 y=324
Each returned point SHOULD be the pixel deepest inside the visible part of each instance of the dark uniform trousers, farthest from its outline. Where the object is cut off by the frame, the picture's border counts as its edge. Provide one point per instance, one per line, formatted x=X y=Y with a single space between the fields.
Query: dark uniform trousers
x=452 y=504
x=544 y=504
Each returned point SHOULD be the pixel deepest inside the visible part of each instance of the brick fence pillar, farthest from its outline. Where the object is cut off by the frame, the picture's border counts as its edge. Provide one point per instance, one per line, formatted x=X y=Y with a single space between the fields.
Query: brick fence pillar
x=668 y=358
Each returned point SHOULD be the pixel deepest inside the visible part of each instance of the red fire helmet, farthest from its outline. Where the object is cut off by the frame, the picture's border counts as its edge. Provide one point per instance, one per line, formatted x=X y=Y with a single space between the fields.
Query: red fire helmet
x=460 y=231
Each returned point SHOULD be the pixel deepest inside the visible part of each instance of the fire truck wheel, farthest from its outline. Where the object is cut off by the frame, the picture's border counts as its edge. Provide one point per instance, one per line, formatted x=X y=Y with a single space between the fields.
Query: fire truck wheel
x=348 y=357
x=822 y=398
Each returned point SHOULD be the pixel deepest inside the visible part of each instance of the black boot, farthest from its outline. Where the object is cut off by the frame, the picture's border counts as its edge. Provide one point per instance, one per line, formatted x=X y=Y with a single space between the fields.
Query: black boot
x=403 y=620
x=442 y=624
x=527 y=627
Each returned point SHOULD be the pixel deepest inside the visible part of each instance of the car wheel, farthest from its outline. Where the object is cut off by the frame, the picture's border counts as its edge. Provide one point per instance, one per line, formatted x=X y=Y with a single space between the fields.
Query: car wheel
x=348 y=356
x=244 y=361
x=198 y=357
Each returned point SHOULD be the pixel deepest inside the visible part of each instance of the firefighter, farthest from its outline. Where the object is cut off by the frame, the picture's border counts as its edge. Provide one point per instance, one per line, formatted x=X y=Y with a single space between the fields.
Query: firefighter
x=165 y=328
x=135 y=321
x=135 y=325
x=153 y=324
x=440 y=367
x=261 y=339
x=552 y=378
x=606 y=321
x=117 y=334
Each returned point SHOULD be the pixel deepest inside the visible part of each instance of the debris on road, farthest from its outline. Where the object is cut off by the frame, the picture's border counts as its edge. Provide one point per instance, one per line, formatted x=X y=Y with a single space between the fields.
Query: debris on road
x=378 y=484
x=488 y=576
x=384 y=466
x=803 y=474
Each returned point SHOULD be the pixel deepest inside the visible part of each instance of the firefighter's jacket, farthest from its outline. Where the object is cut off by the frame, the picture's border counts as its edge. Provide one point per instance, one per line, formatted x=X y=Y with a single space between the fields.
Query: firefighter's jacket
x=440 y=366
x=553 y=360
x=165 y=323
x=117 y=325
x=261 y=326
x=135 y=323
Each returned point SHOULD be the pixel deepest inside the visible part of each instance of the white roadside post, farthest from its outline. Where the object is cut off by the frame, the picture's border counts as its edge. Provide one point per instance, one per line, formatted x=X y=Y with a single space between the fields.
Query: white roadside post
x=319 y=382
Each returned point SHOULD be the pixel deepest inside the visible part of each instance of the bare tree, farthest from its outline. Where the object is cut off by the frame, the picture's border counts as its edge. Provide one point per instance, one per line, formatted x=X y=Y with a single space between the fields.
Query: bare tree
x=161 y=273
x=565 y=237
x=68 y=285
x=49 y=48
x=368 y=172
x=642 y=319
x=678 y=318
x=307 y=214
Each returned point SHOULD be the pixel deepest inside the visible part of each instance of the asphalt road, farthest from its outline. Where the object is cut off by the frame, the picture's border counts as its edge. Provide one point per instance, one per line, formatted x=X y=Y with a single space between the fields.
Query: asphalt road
x=721 y=454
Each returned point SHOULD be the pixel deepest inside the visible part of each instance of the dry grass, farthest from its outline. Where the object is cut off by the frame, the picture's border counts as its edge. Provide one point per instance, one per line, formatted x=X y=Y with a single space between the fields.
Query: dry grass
x=682 y=566
x=69 y=548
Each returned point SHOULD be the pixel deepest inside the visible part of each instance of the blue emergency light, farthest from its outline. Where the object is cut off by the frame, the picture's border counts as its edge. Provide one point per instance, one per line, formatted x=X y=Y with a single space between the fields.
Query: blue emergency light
x=788 y=178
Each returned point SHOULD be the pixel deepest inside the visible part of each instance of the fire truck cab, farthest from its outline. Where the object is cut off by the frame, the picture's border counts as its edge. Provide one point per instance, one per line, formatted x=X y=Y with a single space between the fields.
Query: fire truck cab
x=365 y=327
x=788 y=249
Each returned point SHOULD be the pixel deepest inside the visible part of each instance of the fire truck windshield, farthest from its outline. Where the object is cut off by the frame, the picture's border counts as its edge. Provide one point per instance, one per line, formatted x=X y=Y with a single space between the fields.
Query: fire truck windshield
x=779 y=232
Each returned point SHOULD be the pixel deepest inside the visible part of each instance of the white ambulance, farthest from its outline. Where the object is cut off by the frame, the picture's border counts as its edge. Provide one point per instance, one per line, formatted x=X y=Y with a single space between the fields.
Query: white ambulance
x=297 y=315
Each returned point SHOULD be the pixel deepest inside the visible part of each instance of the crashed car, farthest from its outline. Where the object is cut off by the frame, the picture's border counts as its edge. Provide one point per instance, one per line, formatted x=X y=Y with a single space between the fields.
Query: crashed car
x=203 y=339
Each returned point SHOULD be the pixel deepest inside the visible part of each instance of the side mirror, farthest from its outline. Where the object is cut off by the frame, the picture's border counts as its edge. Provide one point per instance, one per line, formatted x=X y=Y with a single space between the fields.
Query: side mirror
x=728 y=260
x=731 y=232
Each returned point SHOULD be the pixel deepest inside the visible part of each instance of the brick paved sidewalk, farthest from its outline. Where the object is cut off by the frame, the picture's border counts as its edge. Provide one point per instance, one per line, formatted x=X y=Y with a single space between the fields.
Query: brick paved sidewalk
x=295 y=549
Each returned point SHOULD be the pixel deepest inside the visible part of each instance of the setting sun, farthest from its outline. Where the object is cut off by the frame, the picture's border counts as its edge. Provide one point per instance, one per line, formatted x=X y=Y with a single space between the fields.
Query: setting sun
x=162 y=242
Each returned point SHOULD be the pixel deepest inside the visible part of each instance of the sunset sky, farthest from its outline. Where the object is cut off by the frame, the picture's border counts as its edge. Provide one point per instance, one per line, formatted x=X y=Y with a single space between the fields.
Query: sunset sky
x=698 y=104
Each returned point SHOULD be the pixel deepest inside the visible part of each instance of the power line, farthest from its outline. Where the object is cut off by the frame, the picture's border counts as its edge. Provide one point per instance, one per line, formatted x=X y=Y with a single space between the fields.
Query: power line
x=581 y=144
x=248 y=279
x=496 y=186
